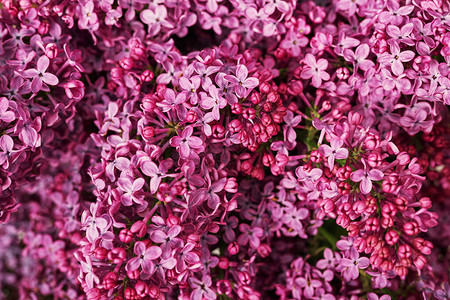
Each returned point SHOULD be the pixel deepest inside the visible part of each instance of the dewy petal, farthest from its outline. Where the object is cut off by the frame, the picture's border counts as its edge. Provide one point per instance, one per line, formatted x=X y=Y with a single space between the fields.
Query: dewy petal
x=148 y=266
x=307 y=73
x=139 y=248
x=362 y=51
x=158 y=236
x=184 y=150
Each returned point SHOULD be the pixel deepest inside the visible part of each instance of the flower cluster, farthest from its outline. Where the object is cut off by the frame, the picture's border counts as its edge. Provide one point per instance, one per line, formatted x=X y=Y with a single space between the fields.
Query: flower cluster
x=221 y=149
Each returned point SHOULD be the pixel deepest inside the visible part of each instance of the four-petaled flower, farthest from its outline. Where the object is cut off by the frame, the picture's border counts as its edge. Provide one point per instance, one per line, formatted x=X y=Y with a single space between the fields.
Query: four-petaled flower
x=315 y=70
x=40 y=76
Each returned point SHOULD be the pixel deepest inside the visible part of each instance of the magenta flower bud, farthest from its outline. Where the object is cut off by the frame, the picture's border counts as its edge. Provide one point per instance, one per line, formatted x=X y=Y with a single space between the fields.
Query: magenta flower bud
x=236 y=108
x=343 y=221
x=388 y=187
x=172 y=221
x=404 y=251
x=316 y=157
x=388 y=210
x=255 y=98
x=44 y=27
x=117 y=255
x=74 y=89
x=139 y=228
x=387 y=222
x=126 y=63
x=101 y=253
x=355 y=118
x=249 y=113
x=359 y=207
x=235 y=126
x=148 y=104
x=372 y=224
x=273 y=97
x=125 y=236
x=401 y=203
x=375 y=260
x=153 y=292
x=148 y=132
x=51 y=50
x=411 y=228
x=191 y=117
x=273 y=129
x=425 y=202
x=268 y=159
x=360 y=244
x=218 y=131
x=401 y=270
x=231 y=186
x=233 y=248
x=134 y=274
x=116 y=74
x=264 y=87
x=246 y=167
x=147 y=76
x=386 y=265
x=110 y=280
x=391 y=237
x=374 y=160
x=224 y=287
x=130 y=293
x=93 y=294
x=267 y=107
x=372 y=142
x=245 y=278
x=342 y=73
x=223 y=263
x=264 y=250
x=141 y=289
x=420 y=262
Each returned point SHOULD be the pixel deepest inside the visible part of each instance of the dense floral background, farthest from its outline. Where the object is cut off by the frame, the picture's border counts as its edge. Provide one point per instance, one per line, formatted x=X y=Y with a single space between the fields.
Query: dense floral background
x=224 y=149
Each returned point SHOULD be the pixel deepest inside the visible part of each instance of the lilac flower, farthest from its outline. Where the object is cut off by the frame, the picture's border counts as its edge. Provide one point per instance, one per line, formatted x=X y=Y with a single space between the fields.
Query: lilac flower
x=328 y=262
x=334 y=152
x=214 y=101
x=359 y=57
x=311 y=175
x=144 y=258
x=252 y=234
x=6 y=144
x=373 y=296
x=155 y=19
x=309 y=285
x=242 y=82
x=396 y=58
x=5 y=114
x=132 y=190
x=201 y=288
x=185 y=142
x=315 y=70
x=40 y=77
x=168 y=241
x=349 y=266
x=156 y=173
x=365 y=176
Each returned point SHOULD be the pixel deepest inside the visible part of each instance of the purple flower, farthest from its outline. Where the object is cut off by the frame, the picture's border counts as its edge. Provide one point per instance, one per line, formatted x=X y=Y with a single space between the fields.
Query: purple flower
x=156 y=173
x=201 y=288
x=185 y=142
x=132 y=190
x=365 y=176
x=167 y=240
x=242 y=82
x=396 y=58
x=214 y=101
x=252 y=234
x=315 y=70
x=334 y=152
x=40 y=77
x=5 y=115
x=144 y=258
x=349 y=266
